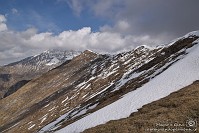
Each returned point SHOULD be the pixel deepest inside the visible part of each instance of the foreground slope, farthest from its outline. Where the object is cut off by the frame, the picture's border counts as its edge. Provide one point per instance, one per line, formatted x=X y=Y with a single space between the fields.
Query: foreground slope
x=180 y=109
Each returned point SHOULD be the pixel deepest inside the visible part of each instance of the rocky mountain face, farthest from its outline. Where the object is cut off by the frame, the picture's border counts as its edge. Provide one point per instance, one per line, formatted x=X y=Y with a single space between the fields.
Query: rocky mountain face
x=13 y=75
x=86 y=84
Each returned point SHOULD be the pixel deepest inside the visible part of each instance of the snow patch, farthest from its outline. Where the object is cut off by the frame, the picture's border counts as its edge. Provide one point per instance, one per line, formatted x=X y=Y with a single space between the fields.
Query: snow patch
x=53 y=62
x=43 y=118
x=65 y=100
x=52 y=108
x=31 y=126
x=193 y=33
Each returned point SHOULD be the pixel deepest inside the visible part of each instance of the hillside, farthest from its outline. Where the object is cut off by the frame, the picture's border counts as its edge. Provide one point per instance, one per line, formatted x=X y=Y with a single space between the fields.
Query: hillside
x=14 y=75
x=101 y=88
x=170 y=78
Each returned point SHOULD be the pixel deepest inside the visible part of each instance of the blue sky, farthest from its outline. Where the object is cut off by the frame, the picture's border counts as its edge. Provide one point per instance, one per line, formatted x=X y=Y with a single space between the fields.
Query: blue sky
x=47 y=15
x=28 y=27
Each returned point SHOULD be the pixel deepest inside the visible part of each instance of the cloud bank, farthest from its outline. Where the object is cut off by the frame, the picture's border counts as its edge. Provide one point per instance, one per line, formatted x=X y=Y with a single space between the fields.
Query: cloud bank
x=17 y=45
x=171 y=18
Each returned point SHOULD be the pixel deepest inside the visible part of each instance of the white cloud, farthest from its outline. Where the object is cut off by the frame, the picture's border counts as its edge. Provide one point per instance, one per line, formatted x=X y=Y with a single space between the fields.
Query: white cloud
x=154 y=18
x=2 y=18
x=98 y=7
x=75 y=5
x=108 y=9
x=17 y=45
x=121 y=26
x=3 y=26
x=14 y=11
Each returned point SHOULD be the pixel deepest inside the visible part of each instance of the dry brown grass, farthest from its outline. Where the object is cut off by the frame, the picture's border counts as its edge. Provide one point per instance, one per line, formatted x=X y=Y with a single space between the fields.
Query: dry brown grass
x=178 y=107
x=26 y=104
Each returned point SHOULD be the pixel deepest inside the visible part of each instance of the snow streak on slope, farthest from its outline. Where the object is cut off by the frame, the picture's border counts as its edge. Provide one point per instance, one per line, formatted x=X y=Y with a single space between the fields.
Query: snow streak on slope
x=177 y=76
x=53 y=61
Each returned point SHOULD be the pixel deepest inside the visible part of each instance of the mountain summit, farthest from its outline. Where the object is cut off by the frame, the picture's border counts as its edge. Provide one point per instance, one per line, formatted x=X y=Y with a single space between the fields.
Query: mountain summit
x=48 y=57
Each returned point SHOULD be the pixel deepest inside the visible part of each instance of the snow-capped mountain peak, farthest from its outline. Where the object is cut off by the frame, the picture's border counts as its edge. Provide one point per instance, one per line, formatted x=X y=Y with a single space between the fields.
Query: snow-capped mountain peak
x=32 y=67
x=48 y=57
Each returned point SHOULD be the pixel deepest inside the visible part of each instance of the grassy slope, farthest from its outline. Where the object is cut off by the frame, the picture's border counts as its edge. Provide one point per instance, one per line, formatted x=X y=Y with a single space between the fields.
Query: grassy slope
x=178 y=107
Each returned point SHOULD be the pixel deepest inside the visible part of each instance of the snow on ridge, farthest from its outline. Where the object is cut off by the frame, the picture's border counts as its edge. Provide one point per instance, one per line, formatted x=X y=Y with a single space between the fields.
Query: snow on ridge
x=53 y=51
x=92 y=51
x=54 y=57
x=180 y=74
x=53 y=62
x=193 y=33
x=145 y=47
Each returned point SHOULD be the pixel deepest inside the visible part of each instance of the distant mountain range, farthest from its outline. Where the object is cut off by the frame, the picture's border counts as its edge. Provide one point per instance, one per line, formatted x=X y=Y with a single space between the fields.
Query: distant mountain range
x=87 y=89
x=47 y=58
x=15 y=75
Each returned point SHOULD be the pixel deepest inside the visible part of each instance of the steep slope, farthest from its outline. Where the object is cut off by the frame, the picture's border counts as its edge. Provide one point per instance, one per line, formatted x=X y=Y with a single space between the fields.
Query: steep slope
x=12 y=75
x=130 y=80
x=178 y=112
x=90 y=83
x=178 y=75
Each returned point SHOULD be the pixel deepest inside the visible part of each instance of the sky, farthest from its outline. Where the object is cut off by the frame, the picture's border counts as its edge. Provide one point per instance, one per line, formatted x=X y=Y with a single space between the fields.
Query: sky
x=105 y=26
